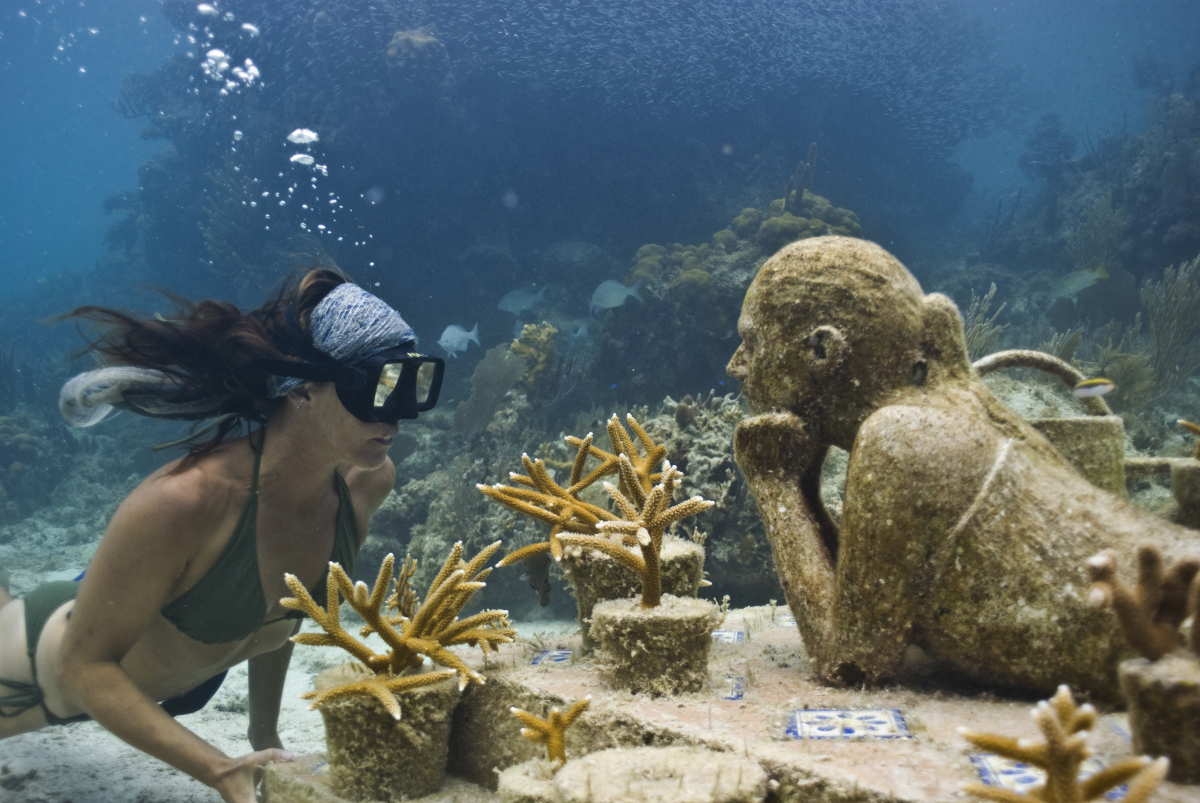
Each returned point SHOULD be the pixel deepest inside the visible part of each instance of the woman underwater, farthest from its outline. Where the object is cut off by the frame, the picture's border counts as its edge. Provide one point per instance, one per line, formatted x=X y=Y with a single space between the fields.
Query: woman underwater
x=187 y=579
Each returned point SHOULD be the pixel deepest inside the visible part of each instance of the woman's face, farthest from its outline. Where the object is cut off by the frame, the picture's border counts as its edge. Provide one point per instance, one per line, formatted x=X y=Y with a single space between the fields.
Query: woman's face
x=357 y=442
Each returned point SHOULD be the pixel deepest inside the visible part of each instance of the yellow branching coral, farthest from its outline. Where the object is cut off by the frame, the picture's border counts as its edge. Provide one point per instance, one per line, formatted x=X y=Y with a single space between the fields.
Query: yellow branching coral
x=643 y=499
x=1060 y=756
x=417 y=629
x=1151 y=612
x=551 y=731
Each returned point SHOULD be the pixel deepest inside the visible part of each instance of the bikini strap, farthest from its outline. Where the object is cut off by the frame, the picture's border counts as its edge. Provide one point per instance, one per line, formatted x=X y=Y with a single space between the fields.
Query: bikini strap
x=257 y=458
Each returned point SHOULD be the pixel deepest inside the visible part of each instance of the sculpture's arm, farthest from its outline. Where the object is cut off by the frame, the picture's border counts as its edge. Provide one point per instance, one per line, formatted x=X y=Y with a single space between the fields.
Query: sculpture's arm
x=782 y=465
x=912 y=473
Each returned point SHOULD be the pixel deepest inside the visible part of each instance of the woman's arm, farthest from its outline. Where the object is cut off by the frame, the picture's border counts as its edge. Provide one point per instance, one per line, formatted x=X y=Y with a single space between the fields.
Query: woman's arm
x=268 y=672
x=148 y=545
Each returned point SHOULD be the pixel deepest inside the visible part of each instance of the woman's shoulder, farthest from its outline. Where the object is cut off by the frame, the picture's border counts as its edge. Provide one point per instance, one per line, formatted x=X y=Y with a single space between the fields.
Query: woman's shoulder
x=189 y=494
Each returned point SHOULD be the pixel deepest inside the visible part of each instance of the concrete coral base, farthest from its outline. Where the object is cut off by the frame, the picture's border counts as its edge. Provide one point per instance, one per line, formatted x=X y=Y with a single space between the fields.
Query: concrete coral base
x=1164 y=711
x=661 y=774
x=596 y=577
x=775 y=683
x=636 y=774
x=306 y=780
x=529 y=782
x=374 y=757
x=660 y=650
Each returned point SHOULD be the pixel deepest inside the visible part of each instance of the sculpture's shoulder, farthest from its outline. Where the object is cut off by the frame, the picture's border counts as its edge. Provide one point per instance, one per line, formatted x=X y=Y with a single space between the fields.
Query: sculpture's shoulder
x=916 y=444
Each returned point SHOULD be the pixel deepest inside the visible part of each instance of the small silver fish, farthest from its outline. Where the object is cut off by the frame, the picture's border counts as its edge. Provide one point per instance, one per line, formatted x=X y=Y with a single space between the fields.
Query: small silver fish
x=517 y=301
x=612 y=293
x=455 y=339
x=537 y=574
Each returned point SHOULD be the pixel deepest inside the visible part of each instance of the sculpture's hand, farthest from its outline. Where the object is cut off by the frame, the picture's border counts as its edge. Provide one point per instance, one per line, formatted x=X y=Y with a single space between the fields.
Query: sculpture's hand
x=776 y=446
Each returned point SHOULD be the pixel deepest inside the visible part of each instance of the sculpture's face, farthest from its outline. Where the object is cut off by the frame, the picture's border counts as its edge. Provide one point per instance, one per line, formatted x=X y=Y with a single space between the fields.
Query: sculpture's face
x=773 y=366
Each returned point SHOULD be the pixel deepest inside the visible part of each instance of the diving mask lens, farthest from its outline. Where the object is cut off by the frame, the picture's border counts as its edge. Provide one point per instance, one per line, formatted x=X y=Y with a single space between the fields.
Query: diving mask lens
x=426 y=373
x=408 y=385
x=389 y=377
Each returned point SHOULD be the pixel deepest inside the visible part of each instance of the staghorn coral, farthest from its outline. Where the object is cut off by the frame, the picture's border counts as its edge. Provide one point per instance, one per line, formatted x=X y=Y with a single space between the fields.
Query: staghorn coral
x=417 y=629
x=551 y=730
x=1065 y=729
x=1152 y=611
x=645 y=507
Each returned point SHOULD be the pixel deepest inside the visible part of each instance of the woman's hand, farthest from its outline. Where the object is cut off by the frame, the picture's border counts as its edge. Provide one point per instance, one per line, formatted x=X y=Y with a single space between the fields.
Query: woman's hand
x=237 y=781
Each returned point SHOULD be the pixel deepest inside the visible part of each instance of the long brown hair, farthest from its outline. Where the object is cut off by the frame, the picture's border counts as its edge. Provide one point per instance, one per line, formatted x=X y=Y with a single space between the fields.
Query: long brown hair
x=210 y=347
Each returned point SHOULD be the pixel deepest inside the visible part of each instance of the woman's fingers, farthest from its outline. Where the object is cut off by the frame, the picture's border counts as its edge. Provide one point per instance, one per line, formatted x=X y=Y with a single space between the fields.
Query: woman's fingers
x=261 y=758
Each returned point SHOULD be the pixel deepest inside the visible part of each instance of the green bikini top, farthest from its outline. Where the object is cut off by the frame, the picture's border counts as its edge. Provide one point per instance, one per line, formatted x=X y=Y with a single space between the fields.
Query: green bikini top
x=228 y=604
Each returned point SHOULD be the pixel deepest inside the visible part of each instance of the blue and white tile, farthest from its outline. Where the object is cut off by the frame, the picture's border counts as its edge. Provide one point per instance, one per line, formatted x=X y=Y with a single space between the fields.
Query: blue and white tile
x=552 y=657
x=1020 y=777
x=848 y=723
x=729 y=636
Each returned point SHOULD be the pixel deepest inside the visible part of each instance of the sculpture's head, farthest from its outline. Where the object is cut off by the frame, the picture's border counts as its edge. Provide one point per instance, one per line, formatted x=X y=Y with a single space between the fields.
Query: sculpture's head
x=833 y=326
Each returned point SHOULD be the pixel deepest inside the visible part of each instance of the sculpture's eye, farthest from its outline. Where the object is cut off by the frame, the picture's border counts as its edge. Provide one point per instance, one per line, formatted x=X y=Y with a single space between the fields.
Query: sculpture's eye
x=920 y=371
x=816 y=341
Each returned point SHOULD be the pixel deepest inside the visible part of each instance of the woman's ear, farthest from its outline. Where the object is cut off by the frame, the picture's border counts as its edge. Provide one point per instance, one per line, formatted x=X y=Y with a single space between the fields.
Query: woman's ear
x=299 y=396
x=942 y=338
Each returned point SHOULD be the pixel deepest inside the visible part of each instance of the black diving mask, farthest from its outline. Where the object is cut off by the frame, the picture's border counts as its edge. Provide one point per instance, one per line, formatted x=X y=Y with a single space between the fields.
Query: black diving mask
x=389 y=385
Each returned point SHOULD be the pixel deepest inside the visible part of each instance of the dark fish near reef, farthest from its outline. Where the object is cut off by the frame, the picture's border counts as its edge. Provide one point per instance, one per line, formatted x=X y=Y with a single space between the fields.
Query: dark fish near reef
x=537 y=574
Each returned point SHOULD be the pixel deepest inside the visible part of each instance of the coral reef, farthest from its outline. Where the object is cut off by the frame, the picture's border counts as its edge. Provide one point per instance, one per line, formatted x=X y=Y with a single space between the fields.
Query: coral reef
x=550 y=731
x=1064 y=749
x=537 y=348
x=841 y=348
x=1173 y=307
x=416 y=630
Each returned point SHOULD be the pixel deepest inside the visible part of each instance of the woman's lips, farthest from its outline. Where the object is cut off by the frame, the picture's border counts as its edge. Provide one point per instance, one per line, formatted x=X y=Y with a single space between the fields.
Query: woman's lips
x=385 y=441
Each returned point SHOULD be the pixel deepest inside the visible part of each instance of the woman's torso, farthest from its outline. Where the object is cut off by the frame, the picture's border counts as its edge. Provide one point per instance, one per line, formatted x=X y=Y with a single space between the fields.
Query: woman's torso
x=300 y=540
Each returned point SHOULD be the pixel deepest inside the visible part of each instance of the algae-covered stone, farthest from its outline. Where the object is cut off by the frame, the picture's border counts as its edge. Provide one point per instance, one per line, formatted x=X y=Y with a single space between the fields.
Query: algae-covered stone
x=662 y=775
x=375 y=757
x=659 y=650
x=596 y=577
x=1094 y=445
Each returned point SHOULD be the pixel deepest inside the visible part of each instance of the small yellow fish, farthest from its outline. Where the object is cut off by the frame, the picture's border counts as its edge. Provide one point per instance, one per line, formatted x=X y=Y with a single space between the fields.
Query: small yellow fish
x=1195 y=430
x=1093 y=387
x=1078 y=280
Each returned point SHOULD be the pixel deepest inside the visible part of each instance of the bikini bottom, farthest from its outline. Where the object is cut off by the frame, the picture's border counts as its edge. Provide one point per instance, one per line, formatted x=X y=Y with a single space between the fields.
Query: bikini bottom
x=40 y=605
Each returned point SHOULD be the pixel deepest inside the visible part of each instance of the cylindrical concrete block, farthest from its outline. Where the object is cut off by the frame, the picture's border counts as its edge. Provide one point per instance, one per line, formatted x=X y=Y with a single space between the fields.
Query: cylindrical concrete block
x=1185 y=487
x=1164 y=711
x=660 y=650
x=374 y=757
x=596 y=577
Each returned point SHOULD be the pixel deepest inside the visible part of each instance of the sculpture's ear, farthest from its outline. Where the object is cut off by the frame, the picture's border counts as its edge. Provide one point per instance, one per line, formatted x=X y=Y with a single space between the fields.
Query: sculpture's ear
x=942 y=338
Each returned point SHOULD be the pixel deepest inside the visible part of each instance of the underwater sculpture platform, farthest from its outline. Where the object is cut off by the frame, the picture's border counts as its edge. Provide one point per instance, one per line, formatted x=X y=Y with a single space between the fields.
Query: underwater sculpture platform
x=815 y=742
